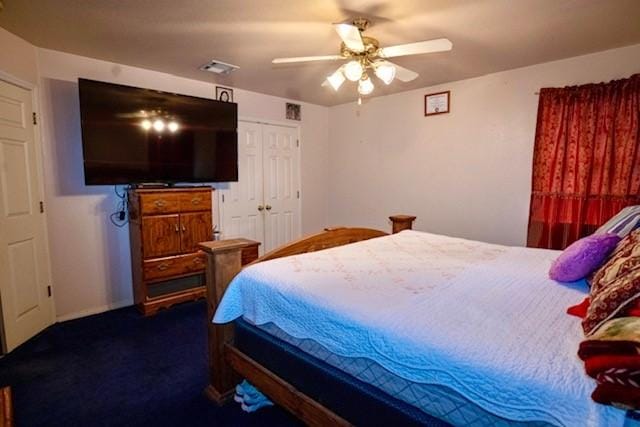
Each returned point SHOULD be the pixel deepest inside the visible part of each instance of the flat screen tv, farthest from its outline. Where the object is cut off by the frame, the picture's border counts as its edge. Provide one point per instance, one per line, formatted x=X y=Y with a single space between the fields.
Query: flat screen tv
x=132 y=135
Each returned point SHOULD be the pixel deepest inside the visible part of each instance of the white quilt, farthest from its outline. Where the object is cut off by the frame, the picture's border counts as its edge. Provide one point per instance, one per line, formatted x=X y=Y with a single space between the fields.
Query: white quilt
x=482 y=319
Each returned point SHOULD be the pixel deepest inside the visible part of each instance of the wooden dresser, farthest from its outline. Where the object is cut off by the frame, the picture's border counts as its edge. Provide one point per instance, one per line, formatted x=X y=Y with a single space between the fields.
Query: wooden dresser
x=165 y=228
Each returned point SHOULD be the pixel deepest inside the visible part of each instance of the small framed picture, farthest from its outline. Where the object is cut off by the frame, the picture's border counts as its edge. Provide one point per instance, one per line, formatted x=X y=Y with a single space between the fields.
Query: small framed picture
x=224 y=94
x=437 y=103
x=293 y=112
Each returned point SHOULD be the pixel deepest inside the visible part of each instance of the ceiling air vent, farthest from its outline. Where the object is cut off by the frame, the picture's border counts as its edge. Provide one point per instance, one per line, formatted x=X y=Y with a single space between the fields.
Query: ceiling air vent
x=219 y=67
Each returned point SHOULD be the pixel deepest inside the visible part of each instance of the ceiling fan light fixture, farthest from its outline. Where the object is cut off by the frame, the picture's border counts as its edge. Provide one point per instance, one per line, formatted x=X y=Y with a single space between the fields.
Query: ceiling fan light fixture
x=385 y=72
x=365 y=86
x=353 y=71
x=336 y=79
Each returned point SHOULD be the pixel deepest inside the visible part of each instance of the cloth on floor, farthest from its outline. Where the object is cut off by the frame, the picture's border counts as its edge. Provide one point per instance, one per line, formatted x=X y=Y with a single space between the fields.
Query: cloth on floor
x=250 y=398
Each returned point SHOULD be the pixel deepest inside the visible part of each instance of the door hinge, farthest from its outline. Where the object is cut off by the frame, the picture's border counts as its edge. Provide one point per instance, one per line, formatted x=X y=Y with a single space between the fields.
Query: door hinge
x=35 y=119
x=297 y=143
x=49 y=291
x=298 y=193
x=41 y=206
x=223 y=198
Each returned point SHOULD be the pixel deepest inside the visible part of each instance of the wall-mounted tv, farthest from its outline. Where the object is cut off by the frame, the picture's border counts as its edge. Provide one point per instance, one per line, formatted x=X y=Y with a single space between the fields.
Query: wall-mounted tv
x=132 y=135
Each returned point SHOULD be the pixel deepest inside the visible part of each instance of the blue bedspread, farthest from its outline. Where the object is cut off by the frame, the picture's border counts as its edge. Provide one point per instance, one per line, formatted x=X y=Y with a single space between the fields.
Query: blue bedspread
x=481 y=319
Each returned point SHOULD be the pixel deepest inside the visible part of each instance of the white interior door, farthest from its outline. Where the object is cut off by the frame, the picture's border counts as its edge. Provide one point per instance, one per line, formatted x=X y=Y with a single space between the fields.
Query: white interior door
x=281 y=185
x=24 y=264
x=239 y=208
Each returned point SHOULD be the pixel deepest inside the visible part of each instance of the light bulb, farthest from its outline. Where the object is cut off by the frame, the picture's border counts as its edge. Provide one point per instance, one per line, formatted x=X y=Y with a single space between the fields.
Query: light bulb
x=385 y=72
x=365 y=86
x=146 y=124
x=173 y=127
x=158 y=125
x=336 y=79
x=353 y=71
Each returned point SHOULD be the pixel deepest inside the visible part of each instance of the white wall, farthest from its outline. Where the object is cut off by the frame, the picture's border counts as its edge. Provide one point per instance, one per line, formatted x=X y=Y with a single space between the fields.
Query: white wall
x=90 y=256
x=18 y=57
x=467 y=173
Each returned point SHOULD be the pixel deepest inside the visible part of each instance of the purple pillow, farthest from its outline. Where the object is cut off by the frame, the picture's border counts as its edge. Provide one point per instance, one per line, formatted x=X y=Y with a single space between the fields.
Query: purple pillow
x=582 y=257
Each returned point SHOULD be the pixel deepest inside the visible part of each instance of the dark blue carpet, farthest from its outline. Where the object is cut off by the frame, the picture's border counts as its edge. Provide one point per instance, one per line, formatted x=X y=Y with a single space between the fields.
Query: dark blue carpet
x=121 y=369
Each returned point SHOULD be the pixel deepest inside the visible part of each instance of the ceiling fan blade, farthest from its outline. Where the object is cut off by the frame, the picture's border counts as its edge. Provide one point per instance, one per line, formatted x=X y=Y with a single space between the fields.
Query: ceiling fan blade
x=404 y=74
x=307 y=59
x=428 y=46
x=335 y=79
x=350 y=35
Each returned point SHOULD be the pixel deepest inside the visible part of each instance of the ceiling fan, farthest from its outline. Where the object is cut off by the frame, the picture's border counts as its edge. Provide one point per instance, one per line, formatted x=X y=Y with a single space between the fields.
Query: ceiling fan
x=365 y=54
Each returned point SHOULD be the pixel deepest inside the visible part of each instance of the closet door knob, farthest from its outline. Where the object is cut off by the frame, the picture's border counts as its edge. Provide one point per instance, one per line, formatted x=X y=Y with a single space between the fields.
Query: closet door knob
x=268 y=207
x=260 y=208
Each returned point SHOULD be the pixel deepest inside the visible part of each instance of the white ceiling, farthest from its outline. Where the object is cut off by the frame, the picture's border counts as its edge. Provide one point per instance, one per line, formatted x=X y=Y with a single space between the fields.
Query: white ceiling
x=179 y=36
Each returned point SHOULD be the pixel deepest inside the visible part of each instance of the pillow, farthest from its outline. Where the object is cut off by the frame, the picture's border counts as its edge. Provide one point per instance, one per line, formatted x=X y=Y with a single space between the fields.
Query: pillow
x=582 y=257
x=622 y=223
x=616 y=285
x=621 y=249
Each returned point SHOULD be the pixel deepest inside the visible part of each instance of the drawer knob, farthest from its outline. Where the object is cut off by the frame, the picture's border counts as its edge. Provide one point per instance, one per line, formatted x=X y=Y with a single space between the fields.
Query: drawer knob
x=160 y=203
x=196 y=200
x=163 y=266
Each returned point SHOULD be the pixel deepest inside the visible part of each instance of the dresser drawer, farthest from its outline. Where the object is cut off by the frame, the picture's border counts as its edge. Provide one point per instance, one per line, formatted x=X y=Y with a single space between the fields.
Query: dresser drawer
x=194 y=201
x=158 y=203
x=174 y=266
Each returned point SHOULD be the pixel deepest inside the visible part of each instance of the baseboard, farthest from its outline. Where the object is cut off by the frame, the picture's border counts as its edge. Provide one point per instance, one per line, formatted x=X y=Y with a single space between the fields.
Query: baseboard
x=93 y=310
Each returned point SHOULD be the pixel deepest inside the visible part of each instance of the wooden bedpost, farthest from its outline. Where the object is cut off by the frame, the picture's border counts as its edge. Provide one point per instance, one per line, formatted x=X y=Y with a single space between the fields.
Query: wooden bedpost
x=224 y=261
x=6 y=407
x=401 y=222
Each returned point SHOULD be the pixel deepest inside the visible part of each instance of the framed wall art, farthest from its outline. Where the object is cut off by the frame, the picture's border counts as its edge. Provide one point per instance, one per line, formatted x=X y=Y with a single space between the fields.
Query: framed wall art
x=224 y=94
x=437 y=103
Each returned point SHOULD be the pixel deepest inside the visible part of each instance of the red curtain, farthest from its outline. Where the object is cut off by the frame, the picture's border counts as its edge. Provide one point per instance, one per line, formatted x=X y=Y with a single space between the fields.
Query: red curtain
x=586 y=160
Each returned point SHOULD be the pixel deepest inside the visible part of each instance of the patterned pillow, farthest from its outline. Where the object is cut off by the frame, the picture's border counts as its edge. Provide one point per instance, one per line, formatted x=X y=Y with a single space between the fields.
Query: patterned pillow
x=616 y=285
x=622 y=223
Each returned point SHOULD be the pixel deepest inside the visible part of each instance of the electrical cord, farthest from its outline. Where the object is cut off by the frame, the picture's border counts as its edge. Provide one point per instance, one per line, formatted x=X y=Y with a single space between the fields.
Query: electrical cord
x=119 y=218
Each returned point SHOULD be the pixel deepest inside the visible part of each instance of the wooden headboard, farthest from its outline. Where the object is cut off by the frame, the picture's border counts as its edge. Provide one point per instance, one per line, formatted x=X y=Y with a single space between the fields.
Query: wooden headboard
x=329 y=238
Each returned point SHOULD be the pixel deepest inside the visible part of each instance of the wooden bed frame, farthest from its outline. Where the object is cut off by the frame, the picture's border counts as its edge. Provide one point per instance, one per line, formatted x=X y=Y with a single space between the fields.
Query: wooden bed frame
x=227 y=364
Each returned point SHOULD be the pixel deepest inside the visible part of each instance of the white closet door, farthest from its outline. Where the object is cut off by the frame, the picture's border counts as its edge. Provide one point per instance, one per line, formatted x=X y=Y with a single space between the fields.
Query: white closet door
x=281 y=185
x=239 y=208
x=24 y=271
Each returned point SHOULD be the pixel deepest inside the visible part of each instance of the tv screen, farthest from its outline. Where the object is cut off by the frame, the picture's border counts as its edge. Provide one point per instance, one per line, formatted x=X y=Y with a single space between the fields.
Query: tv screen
x=132 y=135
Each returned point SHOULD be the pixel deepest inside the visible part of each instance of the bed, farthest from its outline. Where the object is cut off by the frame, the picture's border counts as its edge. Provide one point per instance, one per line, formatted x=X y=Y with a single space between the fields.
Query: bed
x=465 y=332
